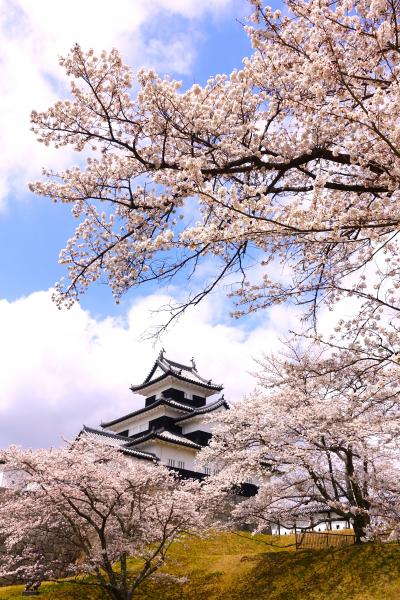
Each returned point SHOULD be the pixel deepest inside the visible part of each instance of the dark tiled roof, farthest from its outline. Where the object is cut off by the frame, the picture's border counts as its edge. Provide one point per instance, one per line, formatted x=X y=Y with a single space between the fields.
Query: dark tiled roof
x=192 y=412
x=186 y=373
x=314 y=508
x=165 y=436
x=210 y=386
x=160 y=402
x=118 y=441
x=204 y=409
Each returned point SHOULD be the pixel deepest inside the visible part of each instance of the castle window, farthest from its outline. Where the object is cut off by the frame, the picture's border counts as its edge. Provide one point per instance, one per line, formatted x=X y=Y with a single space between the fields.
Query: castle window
x=181 y=464
x=207 y=470
x=171 y=462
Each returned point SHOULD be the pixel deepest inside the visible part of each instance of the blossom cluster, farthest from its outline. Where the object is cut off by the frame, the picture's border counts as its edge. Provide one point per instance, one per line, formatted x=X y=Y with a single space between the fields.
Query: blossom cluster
x=86 y=509
x=292 y=158
x=321 y=434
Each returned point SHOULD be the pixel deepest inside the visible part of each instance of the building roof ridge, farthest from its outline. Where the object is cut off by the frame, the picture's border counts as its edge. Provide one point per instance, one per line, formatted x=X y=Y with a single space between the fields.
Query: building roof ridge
x=102 y=432
x=147 y=434
x=123 y=447
x=190 y=368
x=157 y=363
x=200 y=383
x=176 y=436
x=160 y=401
x=151 y=373
x=205 y=409
x=158 y=433
x=169 y=366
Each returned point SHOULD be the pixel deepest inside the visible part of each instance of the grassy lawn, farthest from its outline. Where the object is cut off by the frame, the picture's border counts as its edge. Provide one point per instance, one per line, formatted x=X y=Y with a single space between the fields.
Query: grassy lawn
x=241 y=567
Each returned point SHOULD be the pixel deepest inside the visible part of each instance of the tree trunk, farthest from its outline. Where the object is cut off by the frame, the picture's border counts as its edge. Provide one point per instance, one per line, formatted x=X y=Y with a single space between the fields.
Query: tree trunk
x=360 y=522
x=115 y=594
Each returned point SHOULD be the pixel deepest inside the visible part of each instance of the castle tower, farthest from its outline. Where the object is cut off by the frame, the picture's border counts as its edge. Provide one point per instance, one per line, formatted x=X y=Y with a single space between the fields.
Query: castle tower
x=171 y=427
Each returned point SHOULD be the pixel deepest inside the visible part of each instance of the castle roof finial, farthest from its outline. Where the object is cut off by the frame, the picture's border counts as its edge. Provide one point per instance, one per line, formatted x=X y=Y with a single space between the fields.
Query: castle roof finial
x=172 y=368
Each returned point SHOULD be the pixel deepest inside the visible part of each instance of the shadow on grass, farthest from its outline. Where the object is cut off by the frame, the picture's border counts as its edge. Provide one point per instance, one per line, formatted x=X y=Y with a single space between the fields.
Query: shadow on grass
x=230 y=567
x=362 y=573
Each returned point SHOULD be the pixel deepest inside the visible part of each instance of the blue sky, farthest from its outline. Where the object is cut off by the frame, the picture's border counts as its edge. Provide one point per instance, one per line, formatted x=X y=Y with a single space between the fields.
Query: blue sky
x=62 y=368
x=32 y=229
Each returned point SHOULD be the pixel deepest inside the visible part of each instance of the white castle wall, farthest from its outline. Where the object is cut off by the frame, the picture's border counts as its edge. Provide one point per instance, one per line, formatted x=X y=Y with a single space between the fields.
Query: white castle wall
x=195 y=425
x=167 y=452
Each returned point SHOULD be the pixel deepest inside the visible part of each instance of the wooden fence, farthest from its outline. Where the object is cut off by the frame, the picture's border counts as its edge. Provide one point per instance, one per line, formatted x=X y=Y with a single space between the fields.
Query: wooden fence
x=312 y=540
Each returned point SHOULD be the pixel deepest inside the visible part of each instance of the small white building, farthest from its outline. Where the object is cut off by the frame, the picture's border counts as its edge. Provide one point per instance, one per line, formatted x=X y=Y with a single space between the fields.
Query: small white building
x=171 y=427
x=317 y=517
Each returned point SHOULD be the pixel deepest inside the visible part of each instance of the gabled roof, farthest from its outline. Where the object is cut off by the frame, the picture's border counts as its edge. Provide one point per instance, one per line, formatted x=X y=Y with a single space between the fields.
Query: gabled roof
x=190 y=412
x=315 y=508
x=117 y=441
x=165 y=436
x=204 y=409
x=187 y=373
x=161 y=401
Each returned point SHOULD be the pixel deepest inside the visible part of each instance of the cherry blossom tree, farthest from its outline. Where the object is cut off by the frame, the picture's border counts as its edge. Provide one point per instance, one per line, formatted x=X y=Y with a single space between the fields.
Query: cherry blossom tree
x=293 y=159
x=321 y=434
x=291 y=162
x=89 y=509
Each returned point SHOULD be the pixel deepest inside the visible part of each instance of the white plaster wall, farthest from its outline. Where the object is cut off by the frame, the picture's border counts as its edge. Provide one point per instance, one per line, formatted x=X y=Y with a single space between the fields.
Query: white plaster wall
x=166 y=451
x=139 y=425
x=195 y=425
x=201 y=422
x=337 y=525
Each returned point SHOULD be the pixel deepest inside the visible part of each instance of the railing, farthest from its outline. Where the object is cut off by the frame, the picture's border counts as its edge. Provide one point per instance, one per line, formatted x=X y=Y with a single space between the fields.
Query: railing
x=312 y=540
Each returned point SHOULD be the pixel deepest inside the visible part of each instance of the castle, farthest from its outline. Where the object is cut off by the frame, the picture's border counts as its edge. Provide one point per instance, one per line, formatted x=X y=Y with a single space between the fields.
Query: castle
x=173 y=424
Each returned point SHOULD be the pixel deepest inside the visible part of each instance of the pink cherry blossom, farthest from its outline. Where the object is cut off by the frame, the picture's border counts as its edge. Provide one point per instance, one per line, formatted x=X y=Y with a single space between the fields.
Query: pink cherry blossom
x=87 y=509
x=294 y=158
x=321 y=433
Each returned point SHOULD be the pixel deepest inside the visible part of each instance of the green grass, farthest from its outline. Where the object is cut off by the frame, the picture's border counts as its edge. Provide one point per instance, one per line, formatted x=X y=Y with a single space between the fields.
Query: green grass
x=241 y=567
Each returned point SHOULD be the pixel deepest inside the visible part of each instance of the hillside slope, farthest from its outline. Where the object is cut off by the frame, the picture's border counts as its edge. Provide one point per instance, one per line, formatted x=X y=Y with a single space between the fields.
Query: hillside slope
x=242 y=567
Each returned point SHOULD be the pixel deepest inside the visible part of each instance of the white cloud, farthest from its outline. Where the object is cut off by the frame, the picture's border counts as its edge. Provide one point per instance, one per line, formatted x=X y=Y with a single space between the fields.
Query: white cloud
x=192 y=8
x=177 y=56
x=60 y=369
x=34 y=34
